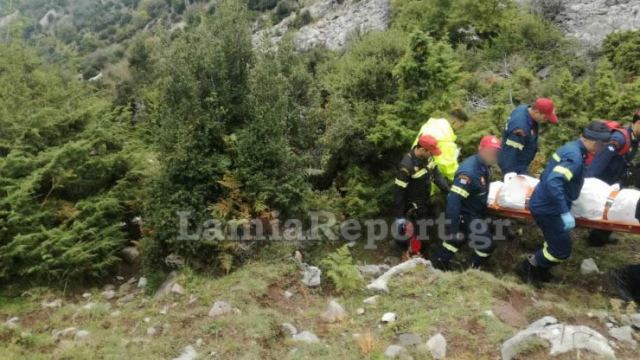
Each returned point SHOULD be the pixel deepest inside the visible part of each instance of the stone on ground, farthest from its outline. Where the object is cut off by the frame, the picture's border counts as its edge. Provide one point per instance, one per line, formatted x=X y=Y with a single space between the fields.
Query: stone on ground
x=372 y=300
x=334 y=313
x=372 y=271
x=57 y=303
x=13 y=322
x=437 y=346
x=306 y=337
x=388 y=317
x=130 y=254
x=311 y=276
x=165 y=288
x=409 y=339
x=381 y=283
x=108 y=294
x=589 y=267
x=221 y=308
x=189 y=353
x=623 y=334
x=288 y=327
x=81 y=335
x=562 y=338
x=397 y=352
x=177 y=289
x=142 y=282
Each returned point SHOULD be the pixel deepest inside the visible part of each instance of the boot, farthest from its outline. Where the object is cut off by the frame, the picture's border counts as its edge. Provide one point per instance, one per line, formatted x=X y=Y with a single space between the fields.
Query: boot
x=479 y=263
x=530 y=274
x=442 y=259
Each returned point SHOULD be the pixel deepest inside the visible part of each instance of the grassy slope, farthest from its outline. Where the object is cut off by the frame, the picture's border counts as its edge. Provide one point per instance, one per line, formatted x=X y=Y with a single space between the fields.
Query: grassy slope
x=452 y=303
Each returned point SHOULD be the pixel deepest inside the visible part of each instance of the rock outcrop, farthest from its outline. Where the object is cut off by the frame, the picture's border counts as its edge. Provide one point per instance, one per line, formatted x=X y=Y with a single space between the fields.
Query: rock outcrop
x=333 y=23
x=590 y=21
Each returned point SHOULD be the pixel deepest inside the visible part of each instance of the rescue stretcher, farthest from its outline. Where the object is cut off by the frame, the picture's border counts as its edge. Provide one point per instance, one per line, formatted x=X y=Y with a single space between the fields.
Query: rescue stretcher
x=608 y=225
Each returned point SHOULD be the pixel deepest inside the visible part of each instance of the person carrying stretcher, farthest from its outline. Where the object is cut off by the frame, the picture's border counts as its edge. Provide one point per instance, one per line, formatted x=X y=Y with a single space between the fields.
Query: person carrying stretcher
x=612 y=164
x=520 y=137
x=550 y=204
x=416 y=172
x=466 y=207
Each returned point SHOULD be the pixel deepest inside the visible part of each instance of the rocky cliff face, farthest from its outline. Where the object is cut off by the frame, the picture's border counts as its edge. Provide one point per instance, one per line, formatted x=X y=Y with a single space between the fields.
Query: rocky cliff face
x=590 y=21
x=332 y=24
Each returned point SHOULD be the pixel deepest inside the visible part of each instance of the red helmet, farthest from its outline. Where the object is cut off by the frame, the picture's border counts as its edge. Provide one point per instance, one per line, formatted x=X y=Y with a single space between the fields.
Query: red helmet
x=430 y=144
x=490 y=142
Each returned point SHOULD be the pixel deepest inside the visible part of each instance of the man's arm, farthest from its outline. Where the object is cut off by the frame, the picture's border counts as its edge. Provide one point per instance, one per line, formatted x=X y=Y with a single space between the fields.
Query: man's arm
x=399 y=193
x=514 y=144
x=562 y=173
x=441 y=181
x=459 y=192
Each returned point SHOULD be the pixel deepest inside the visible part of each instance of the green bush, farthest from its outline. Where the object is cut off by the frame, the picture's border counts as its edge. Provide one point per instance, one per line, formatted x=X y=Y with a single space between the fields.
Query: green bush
x=623 y=50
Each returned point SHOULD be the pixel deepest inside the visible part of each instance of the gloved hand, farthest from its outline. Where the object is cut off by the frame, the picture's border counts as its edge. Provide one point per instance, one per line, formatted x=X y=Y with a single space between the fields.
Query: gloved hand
x=401 y=224
x=568 y=220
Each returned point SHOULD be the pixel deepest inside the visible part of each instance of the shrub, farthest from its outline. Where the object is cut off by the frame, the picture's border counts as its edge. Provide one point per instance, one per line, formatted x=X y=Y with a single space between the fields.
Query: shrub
x=340 y=268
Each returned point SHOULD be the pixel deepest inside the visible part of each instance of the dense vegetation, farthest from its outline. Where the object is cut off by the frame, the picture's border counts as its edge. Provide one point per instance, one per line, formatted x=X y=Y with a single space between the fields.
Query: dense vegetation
x=197 y=120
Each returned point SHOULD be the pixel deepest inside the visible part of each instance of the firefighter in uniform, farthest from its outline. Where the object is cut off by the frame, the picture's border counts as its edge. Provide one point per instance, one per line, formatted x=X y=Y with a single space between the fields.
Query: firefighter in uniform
x=520 y=137
x=550 y=204
x=466 y=205
x=613 y=164
x=416 y=172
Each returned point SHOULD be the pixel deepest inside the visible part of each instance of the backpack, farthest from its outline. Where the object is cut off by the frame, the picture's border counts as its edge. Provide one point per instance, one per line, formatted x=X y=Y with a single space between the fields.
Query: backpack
x=616 y=126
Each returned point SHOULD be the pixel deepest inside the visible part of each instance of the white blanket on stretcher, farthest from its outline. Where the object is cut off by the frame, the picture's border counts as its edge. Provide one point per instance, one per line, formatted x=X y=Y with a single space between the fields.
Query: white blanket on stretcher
x=597 y=199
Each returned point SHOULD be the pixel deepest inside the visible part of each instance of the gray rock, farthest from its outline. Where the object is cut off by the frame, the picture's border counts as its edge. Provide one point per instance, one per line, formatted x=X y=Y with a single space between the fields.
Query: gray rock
x=372 y=271
x=81 y=335
x=152 y=331
x=335 y=23
x=289 y=328
x=311 y=276
x=108 y=294
x=397 y=352
x=381 y=283
x=222 y=308
x=590 y=21
x=589 y=267
x=86 y=295
x=177 y=289
x=53 y=304
x=306 y=337
x=165 y=288
x=13 y=322
x=131 y=254
x=562 y=338
x=372 y=300
x=189 y=353
x=437 y=345
x=333 y=313
x=360 y=311
x=388 y=317
x=624 y=334
x=142 y=282
x=635 y=320
x=409 y=339
x=64 y=334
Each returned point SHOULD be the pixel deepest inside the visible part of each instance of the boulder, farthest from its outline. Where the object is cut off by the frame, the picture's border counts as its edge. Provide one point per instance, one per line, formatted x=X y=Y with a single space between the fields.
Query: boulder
x=289 y=328
x=437 y=346
x=334 y=313
x=109 y=294
x=189 y=353
x=311 y=276
x=12 y=323
x=131 y=254
x=142 y=282
x=306 y=337
x=409 y=339
x=635 y=320
x=177 y=289
x=53 y=304
x=165 y=288
x=381 y=283
x=588 y=267
x=396 y=352
x=81 y=335
x=388 y=317
x=222 y=308
x=371 y=271
x=562 y=339
x=623 y=334
x=372 y=300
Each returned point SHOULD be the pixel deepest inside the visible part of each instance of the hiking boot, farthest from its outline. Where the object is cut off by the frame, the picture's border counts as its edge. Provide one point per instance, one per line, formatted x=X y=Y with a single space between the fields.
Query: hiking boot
x=533 y=275
x=618 y=279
